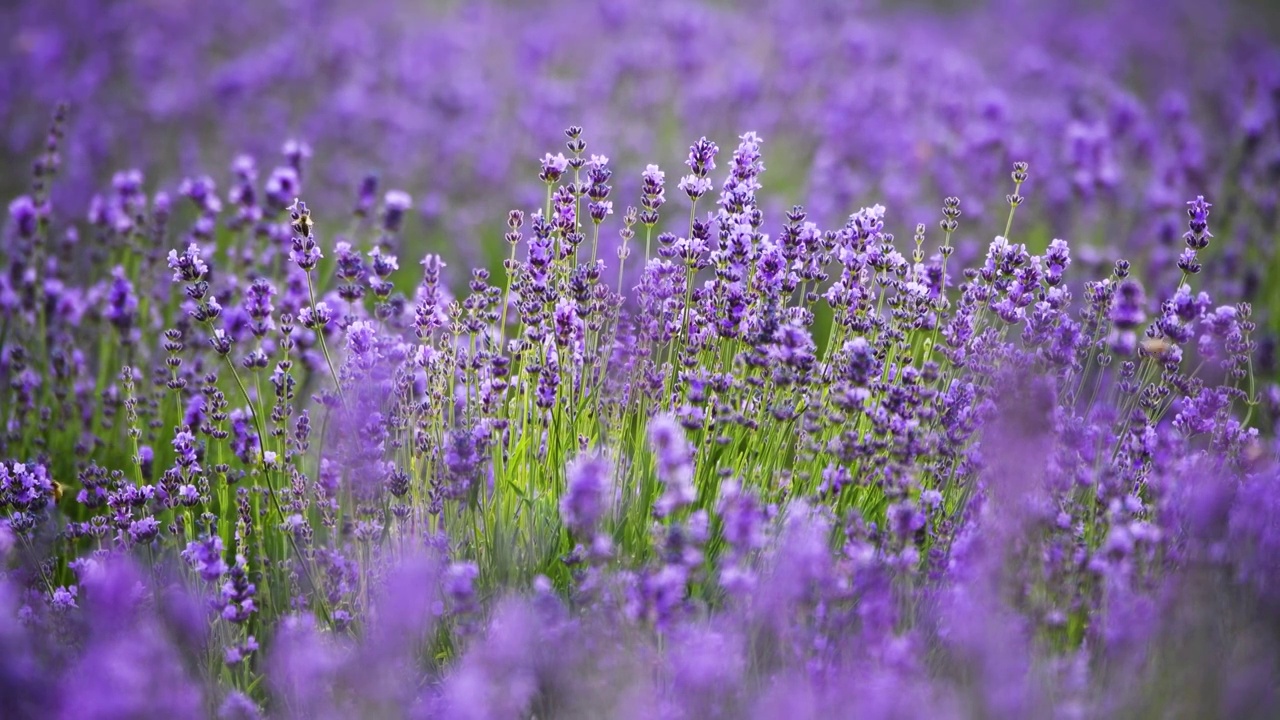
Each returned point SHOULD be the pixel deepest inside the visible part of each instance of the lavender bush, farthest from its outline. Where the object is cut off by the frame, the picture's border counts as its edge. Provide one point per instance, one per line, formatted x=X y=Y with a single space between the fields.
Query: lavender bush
x=1125 y=109
x=685 y=450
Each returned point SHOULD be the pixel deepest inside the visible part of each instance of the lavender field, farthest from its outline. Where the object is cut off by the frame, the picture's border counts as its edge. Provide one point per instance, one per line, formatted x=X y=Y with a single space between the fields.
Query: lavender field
x=669 y=359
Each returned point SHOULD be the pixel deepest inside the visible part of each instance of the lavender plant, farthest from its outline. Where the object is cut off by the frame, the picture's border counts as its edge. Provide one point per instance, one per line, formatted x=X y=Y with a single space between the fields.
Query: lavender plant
x=901 y=102
x=293 y=439
x=746 y=464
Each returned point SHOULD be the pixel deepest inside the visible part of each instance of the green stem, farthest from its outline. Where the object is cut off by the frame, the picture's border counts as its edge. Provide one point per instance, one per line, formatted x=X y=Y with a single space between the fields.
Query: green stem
x=324 y=346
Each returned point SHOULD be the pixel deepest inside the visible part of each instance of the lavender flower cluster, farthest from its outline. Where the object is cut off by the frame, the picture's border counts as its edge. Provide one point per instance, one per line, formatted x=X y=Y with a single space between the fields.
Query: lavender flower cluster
x=683 y=451
x=1125 y=109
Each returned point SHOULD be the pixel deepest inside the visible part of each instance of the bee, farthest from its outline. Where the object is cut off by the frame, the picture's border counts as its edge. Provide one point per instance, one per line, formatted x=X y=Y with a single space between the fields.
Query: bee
x=56 y=491
x=1156 y=347
x=300 y=217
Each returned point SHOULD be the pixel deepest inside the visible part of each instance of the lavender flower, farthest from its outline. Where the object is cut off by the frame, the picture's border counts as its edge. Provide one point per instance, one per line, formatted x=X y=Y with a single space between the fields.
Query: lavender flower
x=237 y=594
x=867 y=464
x=281 y=185
x=675 y=463
x=144 y=530
x=1129 y=310
x=1198 y=235
x=24 y=214
x=701 y=161
x=238 y=706
x=395 y=203
x=553 y=166
x=584 y=502
x=315 y=317
x=362 y=344
x=64 y=598
x=25 y=486
x=122 y=303
x=305 y=253
x=188 y=267
x=184 y=446
x=654 y=194
x=459 y=585
x=205 y=558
